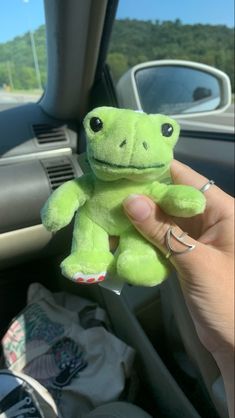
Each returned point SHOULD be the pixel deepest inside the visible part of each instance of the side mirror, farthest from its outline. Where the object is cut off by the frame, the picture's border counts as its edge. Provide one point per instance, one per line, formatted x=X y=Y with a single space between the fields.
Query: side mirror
x=175 y=88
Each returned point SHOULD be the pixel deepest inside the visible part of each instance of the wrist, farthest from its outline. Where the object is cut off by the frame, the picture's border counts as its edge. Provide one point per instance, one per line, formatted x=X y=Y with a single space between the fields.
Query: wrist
x=225 y=362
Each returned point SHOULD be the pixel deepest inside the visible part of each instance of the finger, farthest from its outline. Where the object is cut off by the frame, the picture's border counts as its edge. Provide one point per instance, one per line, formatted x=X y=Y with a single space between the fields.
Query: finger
x=182 y=174
x=154 y=224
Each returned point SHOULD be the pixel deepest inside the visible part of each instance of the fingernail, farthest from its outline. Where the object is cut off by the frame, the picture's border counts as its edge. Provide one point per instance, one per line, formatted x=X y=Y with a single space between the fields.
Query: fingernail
x=137 y=207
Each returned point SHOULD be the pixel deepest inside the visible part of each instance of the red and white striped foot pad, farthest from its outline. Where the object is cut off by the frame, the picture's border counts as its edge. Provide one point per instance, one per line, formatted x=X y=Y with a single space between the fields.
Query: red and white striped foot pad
x=89 y=278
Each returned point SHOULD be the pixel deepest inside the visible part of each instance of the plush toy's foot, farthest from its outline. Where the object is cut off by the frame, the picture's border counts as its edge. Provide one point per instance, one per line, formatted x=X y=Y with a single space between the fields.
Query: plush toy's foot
x=89 y=278
x=87 y=266
x=142 y=270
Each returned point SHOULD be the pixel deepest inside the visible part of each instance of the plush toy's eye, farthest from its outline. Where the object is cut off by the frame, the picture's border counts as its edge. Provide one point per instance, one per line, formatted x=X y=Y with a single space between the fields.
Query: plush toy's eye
x=167 y=129
x=96 y=124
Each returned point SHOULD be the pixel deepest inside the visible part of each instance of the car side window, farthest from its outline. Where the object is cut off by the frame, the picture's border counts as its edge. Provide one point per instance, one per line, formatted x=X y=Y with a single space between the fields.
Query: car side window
x=23 y=64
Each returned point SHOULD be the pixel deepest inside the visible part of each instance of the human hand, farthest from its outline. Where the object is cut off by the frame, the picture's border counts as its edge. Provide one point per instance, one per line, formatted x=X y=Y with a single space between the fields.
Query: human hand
x=206 y=273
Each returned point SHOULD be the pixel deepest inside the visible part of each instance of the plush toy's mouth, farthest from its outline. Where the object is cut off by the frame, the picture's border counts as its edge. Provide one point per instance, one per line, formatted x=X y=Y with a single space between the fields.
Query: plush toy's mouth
x=106 y=163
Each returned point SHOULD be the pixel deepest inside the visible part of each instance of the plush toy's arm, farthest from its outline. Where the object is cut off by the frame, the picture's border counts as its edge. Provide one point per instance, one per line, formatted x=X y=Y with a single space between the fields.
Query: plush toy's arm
x=178 y=200
x=60 y=207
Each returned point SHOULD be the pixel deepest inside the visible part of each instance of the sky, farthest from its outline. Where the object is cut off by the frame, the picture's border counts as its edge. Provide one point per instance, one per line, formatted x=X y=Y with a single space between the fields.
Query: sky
x=188 y=11
x=18 y=16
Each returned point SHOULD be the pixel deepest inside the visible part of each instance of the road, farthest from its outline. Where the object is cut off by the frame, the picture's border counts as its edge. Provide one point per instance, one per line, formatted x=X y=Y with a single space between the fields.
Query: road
x=222 y=122
x=9 y=100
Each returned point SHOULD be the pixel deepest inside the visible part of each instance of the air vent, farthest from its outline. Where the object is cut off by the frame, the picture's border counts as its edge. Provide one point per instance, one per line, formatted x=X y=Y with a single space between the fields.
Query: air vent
x=59 y=171
x=49 y=134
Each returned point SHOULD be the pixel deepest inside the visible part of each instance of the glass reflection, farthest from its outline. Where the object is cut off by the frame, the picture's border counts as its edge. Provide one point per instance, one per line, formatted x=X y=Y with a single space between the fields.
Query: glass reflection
x=177 y=89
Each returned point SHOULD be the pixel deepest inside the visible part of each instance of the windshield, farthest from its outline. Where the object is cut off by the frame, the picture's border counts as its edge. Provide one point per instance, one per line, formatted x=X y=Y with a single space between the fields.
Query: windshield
x=22 y=52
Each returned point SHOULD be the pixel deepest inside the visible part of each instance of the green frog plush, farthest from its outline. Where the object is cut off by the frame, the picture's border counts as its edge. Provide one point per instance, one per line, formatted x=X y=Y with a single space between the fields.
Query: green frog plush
x=129 y=153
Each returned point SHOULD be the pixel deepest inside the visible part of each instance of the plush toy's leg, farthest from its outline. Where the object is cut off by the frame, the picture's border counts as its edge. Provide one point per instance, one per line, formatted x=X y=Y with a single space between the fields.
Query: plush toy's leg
x=140 y=263
x=90 y=257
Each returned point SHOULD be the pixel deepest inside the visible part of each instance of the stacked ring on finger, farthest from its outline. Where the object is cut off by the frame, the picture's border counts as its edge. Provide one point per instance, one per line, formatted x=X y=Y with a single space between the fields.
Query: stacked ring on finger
x=170 y=233
x=206 y=186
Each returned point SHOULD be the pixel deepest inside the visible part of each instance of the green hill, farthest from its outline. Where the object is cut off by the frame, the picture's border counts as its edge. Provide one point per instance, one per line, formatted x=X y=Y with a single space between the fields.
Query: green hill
x=135 y=41
x=132 y=42
x=17 y=64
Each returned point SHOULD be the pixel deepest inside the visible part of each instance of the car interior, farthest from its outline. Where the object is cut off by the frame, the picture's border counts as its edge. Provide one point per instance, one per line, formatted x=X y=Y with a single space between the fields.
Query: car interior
x=42 y=145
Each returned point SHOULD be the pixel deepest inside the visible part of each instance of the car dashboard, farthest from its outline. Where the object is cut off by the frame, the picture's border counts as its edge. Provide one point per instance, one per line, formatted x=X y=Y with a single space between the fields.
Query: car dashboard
x=37 y=154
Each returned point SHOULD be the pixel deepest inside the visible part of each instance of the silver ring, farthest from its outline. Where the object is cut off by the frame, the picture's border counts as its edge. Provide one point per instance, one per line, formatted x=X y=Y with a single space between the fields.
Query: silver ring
x=206 y=186
x=170 y=233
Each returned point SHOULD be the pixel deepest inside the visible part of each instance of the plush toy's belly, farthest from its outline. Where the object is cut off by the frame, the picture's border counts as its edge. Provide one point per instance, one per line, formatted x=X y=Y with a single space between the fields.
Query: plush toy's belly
x=105 y=207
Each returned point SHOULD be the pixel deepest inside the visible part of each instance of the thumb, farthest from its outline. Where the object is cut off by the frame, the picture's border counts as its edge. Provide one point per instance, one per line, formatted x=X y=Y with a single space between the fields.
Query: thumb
x=153 y=224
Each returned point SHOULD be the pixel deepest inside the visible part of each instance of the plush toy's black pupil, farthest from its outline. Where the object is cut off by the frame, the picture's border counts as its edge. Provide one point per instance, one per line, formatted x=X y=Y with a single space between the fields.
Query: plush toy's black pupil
x=96 y=124
x=167 y=129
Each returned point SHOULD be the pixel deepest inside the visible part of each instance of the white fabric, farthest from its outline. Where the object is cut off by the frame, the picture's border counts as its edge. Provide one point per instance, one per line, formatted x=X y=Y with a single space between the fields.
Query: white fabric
x=81 y=368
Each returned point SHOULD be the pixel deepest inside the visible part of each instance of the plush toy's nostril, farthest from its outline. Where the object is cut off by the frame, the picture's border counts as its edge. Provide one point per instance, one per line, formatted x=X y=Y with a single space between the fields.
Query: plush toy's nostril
x=145 y=145
x=123 y=143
